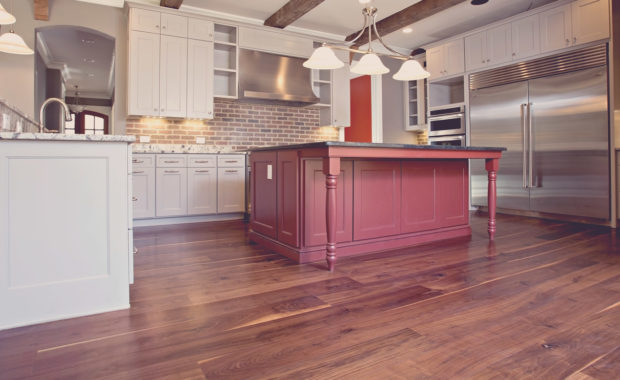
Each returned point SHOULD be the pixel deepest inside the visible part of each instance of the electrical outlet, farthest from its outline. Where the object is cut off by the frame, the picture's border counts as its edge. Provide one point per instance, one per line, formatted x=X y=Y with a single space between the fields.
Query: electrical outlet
x=145 y=139
x=201 y=140
x=269 y=172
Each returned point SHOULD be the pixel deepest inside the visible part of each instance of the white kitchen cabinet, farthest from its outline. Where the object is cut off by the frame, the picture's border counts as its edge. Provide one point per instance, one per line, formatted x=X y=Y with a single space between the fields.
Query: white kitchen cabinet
x=590 y=20
x=446 y=59
x=173 y=25
x=556 y=28
x=198 y=29
x=144 y=20
x=143 y=88
x=274 y=42
x=171 y=191
x=231 y=190
x=143 y=192
x=489 y=47
x=202 y=191
x=525 y=37
x=173 y=77
x=333 y=89
x=199 y=79
x=416 y=104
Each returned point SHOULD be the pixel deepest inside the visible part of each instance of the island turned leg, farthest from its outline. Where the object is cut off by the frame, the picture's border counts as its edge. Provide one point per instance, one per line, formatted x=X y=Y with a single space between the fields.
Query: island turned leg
x=492 y=165
x=331 y=169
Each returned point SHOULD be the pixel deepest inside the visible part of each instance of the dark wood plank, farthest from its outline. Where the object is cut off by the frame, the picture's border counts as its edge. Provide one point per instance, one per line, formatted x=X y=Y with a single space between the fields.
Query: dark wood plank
x=176 y=4
x=405 y=17
x=41 y=10
x=542 y=301
x=290 y=12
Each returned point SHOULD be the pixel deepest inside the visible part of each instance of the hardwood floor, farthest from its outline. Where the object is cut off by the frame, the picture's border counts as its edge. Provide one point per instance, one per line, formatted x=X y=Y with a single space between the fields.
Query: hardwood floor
x=542 y=302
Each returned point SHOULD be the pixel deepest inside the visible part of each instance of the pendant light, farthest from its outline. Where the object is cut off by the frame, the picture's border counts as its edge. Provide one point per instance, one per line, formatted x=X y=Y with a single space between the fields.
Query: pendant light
x=370 y=63
x=77 y=108
x=11 y=42
x=5 y=17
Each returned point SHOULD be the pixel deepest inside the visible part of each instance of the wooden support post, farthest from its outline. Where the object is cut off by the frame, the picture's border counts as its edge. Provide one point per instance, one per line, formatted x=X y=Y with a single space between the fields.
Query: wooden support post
x=331 y=169
x=41 y=10
x=492 y=166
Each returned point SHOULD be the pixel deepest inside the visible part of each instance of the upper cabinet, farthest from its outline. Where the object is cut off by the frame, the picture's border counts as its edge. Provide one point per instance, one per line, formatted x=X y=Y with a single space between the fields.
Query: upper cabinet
x=225 y=61
x=333 y=89
x=579 y=22
x=173 y=25
x=525 y=36
x=446 y=59
x=274 y=42
x=143 y=20
x=489 y=47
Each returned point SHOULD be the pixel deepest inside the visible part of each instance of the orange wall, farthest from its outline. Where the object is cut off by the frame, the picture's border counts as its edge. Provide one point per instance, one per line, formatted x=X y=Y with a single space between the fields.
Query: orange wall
x=361 y=111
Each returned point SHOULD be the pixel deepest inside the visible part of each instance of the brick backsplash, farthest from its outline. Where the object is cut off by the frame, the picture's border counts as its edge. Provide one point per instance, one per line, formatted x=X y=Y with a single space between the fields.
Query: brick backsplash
x=239 y=126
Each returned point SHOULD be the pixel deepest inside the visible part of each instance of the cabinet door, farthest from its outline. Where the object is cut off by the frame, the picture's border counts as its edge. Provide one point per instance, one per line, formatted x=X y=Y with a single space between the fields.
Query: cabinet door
x=555 y=28
x=288 y=203
x=230 y=190
x=476 y=51
x=171 y=189
x=590 y=20
x=434 y=62
x=525 y=37
x=173 y=25
x=173 y=81
x=263 y=193
x=454 y=57
x=452 y=193
x=143 y=86
x=144 y=20
x=143 y=192
x=198 y=29
x=341 y=94
x=199 y=79
x=201 y=191
x=499 y=45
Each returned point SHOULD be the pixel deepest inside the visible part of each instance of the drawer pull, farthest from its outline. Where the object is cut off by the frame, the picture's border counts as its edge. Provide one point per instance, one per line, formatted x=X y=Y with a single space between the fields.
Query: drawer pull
x=232 y=162
x=232 y=171
x=138 y=172
x=171 y=162
x=202 y=171
x=202 y=162
x=135 y=199
x=171 y=171
x=136 y=161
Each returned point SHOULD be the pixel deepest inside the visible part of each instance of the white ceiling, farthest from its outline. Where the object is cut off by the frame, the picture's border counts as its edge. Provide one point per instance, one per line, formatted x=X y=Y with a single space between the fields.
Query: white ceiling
x=84 y=56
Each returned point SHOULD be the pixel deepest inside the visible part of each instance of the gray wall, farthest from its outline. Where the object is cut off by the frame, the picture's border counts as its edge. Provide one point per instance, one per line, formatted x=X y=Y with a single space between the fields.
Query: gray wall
x=53 y=89
x=394 y=107
x=17 y=72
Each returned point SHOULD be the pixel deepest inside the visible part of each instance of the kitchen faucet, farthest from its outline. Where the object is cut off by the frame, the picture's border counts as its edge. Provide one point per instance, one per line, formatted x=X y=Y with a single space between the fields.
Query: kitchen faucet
x=61 y=128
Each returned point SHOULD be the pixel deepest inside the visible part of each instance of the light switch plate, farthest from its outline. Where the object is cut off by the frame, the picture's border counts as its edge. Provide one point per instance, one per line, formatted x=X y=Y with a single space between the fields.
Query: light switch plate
x=145 y=139
x=269 y=172
x=201 y=140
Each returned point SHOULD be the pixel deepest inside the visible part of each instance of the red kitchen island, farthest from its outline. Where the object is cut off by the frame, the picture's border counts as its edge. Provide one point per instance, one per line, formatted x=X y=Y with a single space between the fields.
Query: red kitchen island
x=317 y=200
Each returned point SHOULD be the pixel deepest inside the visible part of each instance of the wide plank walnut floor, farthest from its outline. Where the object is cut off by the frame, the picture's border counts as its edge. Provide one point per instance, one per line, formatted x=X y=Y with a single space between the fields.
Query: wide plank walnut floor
x=542 y=302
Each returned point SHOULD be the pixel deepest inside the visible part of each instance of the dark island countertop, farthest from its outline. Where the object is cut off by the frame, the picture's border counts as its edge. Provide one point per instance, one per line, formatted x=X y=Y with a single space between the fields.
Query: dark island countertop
x=327 y=144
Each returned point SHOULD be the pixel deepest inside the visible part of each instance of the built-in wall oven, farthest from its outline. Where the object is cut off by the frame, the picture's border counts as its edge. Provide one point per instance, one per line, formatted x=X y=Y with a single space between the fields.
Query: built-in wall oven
x=446 y=120
x=456 y=140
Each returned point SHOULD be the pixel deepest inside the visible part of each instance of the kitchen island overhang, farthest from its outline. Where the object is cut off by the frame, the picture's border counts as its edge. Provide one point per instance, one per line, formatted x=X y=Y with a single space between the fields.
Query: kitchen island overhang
x=312 y=200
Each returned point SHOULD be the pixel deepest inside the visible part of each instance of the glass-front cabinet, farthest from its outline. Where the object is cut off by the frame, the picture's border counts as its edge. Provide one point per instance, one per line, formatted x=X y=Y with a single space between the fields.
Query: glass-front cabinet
x=416 y=105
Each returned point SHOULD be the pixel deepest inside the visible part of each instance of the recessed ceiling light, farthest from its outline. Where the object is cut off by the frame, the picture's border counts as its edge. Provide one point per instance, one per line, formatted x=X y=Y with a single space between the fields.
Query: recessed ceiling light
x=479 y=2
x=407 y=30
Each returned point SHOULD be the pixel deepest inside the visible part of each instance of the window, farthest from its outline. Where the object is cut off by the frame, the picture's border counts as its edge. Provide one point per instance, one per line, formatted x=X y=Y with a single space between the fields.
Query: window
x=87 y=123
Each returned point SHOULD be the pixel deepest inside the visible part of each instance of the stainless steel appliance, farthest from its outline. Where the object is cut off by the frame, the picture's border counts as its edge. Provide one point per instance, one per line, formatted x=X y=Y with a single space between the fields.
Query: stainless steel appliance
x=457 y=140
x=446 y=120
x=556 y=130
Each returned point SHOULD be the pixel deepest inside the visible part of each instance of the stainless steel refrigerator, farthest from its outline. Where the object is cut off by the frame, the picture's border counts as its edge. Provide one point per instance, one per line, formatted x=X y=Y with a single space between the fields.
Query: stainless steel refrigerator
x=552 y=115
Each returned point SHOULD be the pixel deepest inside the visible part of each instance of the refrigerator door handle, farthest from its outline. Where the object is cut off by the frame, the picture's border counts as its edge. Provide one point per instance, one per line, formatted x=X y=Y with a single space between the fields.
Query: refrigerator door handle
x=530 y=145
x=524 y=133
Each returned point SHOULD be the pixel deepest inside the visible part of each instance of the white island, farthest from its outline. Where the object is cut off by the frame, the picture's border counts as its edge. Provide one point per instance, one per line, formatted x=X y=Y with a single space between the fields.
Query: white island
x=65 y=226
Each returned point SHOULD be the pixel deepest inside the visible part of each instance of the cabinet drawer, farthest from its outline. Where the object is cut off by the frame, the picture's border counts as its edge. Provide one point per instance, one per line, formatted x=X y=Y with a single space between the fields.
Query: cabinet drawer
x=231 y=161
x=202 y=161
x=143 y=161
x=171 y=161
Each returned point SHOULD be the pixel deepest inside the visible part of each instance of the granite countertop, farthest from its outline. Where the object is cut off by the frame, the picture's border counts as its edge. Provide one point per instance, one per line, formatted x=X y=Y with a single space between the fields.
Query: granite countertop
x=183 y=148
x=327 y=144
x=64 y=137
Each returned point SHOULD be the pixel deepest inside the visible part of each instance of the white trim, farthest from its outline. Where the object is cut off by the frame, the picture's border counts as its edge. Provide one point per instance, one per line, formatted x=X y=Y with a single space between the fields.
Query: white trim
x=376 y=99
x=64 y=316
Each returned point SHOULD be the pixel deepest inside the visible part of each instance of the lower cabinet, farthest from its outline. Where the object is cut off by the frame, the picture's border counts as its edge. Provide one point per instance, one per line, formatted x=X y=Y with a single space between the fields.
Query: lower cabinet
x=171 y=190
x=201 y=191
x=231 y=190
x=143 y=192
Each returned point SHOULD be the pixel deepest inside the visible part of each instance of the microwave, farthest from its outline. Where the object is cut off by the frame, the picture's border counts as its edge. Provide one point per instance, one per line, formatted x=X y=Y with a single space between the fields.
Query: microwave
x=446 y=120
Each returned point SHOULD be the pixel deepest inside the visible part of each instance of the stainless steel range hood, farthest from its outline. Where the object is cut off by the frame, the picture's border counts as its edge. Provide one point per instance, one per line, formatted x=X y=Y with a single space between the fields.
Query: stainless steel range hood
x=272 y=78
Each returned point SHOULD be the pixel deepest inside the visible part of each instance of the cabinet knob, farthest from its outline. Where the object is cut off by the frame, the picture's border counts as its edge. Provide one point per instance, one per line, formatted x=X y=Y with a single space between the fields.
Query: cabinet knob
x=567 y=42
x=155 y=109
x=574 y=40
x=134 y=199
x=483 y=61
x=514 y=54
x=163 y=27
x=488 y=60
x=157 y=26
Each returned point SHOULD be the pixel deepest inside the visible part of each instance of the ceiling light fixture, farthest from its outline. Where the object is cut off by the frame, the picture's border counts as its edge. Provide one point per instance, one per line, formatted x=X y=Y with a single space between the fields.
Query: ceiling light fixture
x=11 y=42
x=407 y=30
x=370 y=64
x=77 y=108
x=5 y=17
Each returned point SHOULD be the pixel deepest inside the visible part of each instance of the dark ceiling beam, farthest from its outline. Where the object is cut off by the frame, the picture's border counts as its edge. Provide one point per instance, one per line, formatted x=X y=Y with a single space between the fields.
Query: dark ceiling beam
x=176 y=4
x=407 y=16
x=41 y=10
x=290 y=12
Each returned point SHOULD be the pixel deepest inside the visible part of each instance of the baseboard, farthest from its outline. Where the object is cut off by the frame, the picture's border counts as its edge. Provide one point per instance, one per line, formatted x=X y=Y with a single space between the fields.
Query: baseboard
x=187 y=219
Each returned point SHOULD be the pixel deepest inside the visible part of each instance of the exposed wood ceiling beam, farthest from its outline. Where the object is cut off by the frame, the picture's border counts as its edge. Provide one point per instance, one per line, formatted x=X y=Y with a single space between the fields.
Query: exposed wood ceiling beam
x=290 y=12
x=407 y=16
x=41 y=10
x=176 y=4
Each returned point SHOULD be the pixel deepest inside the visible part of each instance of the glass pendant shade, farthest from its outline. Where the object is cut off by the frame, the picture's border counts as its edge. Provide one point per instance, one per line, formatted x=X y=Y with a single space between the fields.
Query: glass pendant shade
x=370 y=64
x=411 y=70
x=5 y=17
x=323 y=58
x=14 y=44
